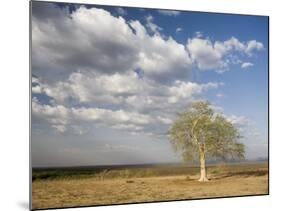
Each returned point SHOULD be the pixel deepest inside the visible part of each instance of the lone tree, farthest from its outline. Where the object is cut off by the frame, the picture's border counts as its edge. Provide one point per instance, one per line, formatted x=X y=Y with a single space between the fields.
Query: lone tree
x=199 y=132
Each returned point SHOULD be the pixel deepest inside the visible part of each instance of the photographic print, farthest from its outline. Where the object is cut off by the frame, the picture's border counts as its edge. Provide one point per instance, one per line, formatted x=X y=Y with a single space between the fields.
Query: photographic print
x=134 y=105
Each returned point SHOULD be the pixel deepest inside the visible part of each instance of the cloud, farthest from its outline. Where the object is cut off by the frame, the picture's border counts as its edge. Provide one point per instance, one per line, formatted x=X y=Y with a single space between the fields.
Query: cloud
x=110 y=117
x=124 y=89
x=104 y=70
x=183 y=90
x=34 y=79
x=108 y=49
x=45 y=10
x=219 y=55
x=37 y=89
x=121 y=11
x=61 y=117
x=165 y=120
x=59 y=128
x=169 y=12
x=95 y=88
x=253 y=45
x=240 y=121
x=118 y=46
x=198 y=34
x=179 y=29
x=57 y=115
x=233 y=44
x=160 y=59
x=205 y=54
x=152 y=26
x=246 y=65
x=164 y=59
x=131 y=103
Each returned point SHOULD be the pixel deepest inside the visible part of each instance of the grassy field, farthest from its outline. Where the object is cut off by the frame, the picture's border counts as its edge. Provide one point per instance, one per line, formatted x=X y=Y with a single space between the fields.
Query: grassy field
x=68 y=187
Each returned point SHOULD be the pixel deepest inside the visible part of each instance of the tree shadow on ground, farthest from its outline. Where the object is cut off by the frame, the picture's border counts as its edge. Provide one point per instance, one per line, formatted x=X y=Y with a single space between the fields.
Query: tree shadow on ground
x=252 y=173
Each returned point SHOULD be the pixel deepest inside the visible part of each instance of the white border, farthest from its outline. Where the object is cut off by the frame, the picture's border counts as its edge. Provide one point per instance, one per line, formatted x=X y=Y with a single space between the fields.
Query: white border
x=14 y=92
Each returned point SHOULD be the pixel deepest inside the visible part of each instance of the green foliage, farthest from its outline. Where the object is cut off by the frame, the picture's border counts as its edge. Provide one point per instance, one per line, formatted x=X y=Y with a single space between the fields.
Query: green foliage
x=199 y=127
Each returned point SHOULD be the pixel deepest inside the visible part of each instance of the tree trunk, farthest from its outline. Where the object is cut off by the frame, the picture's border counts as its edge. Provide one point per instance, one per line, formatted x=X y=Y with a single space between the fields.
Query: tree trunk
x=203 y=172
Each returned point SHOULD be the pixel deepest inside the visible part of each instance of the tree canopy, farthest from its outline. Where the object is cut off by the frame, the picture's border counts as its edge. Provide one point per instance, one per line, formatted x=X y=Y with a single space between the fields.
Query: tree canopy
x=200 y=127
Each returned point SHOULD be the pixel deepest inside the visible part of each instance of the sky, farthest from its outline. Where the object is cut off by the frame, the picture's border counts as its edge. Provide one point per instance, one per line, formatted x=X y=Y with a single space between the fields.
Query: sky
x=107 y=82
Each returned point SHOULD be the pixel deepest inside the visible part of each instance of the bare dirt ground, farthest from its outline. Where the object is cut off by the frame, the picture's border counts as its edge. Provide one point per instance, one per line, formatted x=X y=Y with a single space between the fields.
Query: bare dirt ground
x=93 y=191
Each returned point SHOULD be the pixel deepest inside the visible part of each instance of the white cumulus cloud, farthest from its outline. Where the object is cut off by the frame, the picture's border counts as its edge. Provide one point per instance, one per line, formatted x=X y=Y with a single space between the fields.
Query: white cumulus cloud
x=246 y=65
x=124 y=74
x=219 y=55
x=179 y=29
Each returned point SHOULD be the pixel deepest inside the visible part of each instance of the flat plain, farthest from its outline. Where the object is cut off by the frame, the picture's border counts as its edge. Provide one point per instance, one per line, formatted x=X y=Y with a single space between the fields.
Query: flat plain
x=102 y=186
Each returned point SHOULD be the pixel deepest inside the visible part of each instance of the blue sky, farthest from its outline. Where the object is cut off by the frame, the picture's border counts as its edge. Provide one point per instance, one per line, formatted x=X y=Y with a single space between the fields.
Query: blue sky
x=108 y=81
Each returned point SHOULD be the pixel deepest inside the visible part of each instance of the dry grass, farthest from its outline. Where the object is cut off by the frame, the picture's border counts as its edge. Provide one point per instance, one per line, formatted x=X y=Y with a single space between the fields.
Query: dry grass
x=225 y=181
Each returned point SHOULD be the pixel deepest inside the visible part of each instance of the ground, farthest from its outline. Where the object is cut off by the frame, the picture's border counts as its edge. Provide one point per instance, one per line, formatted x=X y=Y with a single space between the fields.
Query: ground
x=233 y=180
